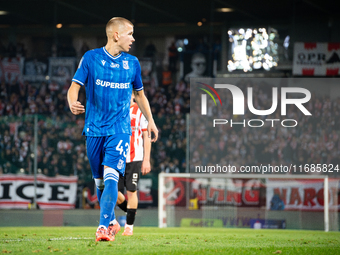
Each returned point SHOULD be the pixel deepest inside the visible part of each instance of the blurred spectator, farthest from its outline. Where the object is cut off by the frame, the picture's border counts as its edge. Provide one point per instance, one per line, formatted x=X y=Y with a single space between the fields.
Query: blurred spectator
x=150 y=50
x=84 y=48
x=166 y=77
x=11 y=50
x=3 y=50
x=54 y=50
x=66 y=50
x=172 y=168
x=20 y=50
x=202 y=46
x=217 y=49
x=173 y=57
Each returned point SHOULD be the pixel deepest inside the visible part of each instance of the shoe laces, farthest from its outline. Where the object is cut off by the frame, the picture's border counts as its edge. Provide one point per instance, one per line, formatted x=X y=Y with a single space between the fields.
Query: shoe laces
x=102 y=230
x=113 y=229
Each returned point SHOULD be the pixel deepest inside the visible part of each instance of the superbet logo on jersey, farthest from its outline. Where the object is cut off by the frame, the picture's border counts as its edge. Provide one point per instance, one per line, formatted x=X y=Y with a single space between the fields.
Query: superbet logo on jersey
x=239 y=101
x=113 y=85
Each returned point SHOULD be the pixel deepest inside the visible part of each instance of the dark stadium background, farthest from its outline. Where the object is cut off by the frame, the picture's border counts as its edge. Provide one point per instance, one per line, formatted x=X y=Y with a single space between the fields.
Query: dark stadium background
x=155 y=22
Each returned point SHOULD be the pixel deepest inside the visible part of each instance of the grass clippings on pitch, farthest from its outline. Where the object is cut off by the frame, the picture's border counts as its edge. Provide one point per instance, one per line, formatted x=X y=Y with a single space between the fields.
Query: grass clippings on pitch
x=80 y=240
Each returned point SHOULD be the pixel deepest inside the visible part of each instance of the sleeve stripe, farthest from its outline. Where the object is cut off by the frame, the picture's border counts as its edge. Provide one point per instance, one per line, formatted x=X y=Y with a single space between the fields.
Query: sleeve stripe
x=77 y=81
x=139 y=89
x=144 y=129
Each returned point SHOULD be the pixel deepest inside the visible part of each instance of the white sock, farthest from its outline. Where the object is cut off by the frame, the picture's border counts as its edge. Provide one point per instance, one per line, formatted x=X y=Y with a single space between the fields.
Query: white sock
x=113 y=222
x=101 y=226
x=129 y=226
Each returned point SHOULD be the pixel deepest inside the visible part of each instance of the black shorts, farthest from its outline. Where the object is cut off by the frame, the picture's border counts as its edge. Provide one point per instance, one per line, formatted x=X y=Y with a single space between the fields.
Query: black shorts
x=131 y=177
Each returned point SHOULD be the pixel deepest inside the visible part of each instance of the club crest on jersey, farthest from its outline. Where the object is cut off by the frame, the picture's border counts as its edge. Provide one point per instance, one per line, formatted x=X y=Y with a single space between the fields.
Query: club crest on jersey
x=126 y=64
x=103 y=62
x=120 y=164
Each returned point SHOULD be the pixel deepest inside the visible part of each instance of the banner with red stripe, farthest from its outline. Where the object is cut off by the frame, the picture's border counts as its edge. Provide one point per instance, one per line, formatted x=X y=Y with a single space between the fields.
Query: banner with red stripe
x=18 y=191
x=316 y=59
x=305 y=195
x=11 y=69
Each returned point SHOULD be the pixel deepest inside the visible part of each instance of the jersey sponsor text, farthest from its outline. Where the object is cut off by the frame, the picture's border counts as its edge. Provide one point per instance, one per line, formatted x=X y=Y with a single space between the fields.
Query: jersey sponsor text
x=113 y=85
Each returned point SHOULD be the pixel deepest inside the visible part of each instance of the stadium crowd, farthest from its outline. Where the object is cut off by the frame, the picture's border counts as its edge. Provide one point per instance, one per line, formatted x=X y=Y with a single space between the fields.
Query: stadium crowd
x=61 y=147
x=315 y=140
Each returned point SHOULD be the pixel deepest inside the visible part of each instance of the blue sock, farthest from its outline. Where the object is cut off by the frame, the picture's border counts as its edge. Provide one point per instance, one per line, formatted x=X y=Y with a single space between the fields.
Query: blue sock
x=108 y=199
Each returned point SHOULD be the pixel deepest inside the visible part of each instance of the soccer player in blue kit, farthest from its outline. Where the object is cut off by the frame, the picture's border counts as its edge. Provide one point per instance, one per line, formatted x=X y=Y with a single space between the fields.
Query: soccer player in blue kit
x=109 y=75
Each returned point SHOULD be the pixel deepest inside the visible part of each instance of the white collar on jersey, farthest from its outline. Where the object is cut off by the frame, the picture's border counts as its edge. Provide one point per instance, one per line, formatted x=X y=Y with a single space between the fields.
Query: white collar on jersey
x=111 y=55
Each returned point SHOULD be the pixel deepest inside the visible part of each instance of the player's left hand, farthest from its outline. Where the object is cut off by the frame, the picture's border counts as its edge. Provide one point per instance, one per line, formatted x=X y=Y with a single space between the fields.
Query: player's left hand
x=146 y=167
x=77 y=108
x=152 y=129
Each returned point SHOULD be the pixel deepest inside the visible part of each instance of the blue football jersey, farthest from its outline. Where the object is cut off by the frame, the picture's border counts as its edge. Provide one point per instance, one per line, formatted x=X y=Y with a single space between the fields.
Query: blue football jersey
x=109 y=81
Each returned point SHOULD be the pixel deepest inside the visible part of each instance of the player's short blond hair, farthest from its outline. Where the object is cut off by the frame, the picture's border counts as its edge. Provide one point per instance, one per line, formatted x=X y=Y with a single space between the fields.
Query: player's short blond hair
x=116 y=22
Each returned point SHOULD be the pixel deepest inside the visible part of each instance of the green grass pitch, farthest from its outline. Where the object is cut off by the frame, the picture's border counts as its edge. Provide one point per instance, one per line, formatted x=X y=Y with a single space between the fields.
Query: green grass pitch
x=80 y=240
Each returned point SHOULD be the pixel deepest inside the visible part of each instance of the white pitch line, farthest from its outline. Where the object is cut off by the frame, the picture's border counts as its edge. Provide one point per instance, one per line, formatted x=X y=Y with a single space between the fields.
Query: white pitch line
x=50 y=239
x=70 y=238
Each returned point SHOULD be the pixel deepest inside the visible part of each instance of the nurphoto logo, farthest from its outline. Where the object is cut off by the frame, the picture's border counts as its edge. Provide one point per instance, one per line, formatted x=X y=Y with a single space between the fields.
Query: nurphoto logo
x=204 y=97
x=239 y=101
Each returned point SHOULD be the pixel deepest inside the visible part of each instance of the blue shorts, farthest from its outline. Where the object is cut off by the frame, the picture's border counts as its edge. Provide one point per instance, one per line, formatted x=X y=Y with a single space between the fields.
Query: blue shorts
x=108 y=151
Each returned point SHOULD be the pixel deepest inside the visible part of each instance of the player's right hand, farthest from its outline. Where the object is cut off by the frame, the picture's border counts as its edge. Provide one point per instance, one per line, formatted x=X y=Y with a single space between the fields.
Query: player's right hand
x=77 y=108
x=152 y=129
x=146 y=167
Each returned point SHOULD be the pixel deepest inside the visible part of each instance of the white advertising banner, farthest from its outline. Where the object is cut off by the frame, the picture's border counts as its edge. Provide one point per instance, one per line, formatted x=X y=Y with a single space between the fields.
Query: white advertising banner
x=61 y=69
x=11 y=69
x=316 y=59
x=306 y=195
x=17 y=191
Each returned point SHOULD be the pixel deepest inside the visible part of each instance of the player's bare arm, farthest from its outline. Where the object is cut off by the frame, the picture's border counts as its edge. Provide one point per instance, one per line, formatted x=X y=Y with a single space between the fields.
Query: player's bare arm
x=72 y=97
x=144 y=106
x=146 y=166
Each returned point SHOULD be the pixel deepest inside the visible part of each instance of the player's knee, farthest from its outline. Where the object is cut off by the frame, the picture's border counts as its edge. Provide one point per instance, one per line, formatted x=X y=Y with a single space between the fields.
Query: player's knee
x=99 y=183
x=111 y=174
x=120 y=198
x=131 y=193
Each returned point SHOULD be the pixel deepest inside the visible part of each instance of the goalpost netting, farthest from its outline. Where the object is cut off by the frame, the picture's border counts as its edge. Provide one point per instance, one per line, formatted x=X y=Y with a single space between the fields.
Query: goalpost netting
x=273 y=201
